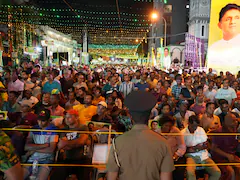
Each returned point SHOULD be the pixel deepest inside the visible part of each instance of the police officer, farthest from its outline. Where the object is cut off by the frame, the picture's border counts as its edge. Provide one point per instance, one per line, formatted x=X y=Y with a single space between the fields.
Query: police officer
x=140 y=153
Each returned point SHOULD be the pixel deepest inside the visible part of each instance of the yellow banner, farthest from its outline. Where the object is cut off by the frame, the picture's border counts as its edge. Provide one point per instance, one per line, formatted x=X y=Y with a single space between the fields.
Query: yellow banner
x=224 y=36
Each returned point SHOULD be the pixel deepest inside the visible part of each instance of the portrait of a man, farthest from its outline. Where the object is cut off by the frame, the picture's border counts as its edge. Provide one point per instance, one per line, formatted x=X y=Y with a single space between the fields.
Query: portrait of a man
x=223 y=55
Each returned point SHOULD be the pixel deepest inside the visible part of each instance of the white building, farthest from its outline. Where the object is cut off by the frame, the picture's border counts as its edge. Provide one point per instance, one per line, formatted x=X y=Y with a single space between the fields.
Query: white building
x=199 y=16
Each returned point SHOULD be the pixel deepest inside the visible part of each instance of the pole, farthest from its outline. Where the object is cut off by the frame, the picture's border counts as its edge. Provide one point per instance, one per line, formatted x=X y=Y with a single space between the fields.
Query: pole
x=165 y=31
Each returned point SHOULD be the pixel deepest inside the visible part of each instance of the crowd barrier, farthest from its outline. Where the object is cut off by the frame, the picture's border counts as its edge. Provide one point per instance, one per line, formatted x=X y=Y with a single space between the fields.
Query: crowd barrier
x=118 y=133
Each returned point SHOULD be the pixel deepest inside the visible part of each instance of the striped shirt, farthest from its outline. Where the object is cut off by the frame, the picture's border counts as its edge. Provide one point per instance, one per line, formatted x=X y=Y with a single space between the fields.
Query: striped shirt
x=126 y=88
x=176 y=91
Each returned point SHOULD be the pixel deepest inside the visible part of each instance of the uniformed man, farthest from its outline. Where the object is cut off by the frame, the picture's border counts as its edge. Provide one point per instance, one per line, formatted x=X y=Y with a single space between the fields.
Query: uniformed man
x=140 y=153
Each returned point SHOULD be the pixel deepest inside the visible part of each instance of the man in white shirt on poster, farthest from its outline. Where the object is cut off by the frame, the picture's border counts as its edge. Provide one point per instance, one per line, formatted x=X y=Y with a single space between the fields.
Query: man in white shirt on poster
x=223 y=55
x=166 y=60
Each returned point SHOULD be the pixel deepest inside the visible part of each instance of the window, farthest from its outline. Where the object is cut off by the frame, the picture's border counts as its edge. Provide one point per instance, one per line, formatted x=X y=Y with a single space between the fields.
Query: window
x=203 y=29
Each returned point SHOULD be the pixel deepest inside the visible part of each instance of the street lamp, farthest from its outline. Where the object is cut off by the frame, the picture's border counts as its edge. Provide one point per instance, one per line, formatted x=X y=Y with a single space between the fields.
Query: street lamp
x=154 y=17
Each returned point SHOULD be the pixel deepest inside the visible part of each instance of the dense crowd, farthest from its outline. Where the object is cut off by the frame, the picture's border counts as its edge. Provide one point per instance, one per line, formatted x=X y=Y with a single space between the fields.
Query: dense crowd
x=86 y=98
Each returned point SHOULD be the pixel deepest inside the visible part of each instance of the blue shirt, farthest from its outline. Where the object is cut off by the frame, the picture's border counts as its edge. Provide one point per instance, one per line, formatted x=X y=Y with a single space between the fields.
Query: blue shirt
x=142 y=87
x=47 y=88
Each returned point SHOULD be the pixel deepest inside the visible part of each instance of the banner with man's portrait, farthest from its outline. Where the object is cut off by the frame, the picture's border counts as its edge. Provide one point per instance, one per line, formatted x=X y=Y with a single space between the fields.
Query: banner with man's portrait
x=224 y=36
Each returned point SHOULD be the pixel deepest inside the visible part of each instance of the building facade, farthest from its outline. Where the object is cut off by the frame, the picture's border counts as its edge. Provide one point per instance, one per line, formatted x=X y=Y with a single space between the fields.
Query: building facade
x=199 y=16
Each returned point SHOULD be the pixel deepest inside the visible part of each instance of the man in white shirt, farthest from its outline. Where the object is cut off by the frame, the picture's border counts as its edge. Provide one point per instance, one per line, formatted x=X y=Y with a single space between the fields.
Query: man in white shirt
x=226 y=93
x=196 y=142
x=210 y=93
x=15 y=84
x=166 y=60
x=223 y=55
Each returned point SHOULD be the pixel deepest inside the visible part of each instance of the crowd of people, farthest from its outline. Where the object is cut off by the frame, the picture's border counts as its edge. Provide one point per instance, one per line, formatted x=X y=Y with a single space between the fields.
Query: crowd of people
x=74 y=99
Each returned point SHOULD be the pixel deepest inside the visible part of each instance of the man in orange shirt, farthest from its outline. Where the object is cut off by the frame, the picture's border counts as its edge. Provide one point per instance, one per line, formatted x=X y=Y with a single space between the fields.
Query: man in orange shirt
x=86 y=110
x=97 y=96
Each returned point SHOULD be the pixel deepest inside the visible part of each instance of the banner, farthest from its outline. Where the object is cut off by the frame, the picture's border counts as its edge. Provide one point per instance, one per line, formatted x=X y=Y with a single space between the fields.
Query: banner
x=194 y=51
x=224 y=36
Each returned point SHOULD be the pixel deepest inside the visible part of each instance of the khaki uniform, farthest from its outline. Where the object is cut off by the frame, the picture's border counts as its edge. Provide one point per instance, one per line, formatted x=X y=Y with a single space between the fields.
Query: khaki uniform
x=142 y=154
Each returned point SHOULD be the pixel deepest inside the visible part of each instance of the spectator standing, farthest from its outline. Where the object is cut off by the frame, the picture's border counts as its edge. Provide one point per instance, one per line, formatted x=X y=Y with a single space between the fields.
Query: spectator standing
x=12 y=105
x=66 y=82
x=187 y=92
x=51 y=84
x=226 y=93
x=97 y=96
x=127 y=86
x=142 y=85
x=176 y=89
x=15 y=84
x=80 y=82
x=199 y=107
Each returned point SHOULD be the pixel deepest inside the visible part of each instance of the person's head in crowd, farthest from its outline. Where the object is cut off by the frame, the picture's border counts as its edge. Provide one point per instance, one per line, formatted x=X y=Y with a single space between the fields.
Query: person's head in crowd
x=113 y=80
x=223 y=104
x=203 y=81
x=166 y=84
x=230 y=122
x=143 y=78
x=165 y=109
x=55 y=73
x=109 y=73
x=66 y=73
x=81 y=92
x=116 y=75
x=113 y=70
x=199 y=90
x=115 y=94
x=237 y=104
x=37 y=68
x=50 y=77
x=46 y=99
x=43 y=118
x=196 y=79
x=34 y=77
x=138 y=74
x=235 y=85
x=90 y=126
x=210 y=70
x=183 y=106
x=97 y=92
x=225 y=84
x=152 y=76
x=71 y=96
x=14 y=76
x=154 y=125
x=164 y=98
x=210 y=84
x=81 y=78
x=229 y=21
x=88 y=99
x=193 y=123
x=25 y=65
x=178 y=79
x=221 y=74
x=126 y=78
x=31 y=64
x=24 y=75
x=54 y=100
x=12 y=96
x=172 y=101
x=72 y=118
x=110 y=100
x=27 y=93
x=166 y=122
x=140 y=112
x=101 y=107
x=26 y=106
x=188 y=82
x=210 y=107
